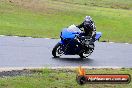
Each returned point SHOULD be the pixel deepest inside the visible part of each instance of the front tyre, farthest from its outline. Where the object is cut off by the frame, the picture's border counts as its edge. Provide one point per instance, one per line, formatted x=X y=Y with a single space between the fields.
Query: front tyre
x=57 y=50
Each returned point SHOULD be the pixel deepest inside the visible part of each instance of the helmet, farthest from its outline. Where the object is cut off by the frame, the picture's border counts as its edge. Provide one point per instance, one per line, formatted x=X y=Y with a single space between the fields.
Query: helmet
x=88 y=22
x=88 y=19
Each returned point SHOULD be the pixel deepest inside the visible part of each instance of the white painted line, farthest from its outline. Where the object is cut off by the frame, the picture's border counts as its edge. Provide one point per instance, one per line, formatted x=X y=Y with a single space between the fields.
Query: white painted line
x=111 y=42
x=15 y=36
x=28 y=37
x=50 y=38
x=47 y=38
x=126 y=43
x=2 y=35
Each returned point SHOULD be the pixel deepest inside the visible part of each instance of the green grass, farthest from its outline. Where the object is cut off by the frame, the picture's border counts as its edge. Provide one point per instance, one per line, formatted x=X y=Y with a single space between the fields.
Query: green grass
x=65 y=78
x=46 y=18
x=121 y=4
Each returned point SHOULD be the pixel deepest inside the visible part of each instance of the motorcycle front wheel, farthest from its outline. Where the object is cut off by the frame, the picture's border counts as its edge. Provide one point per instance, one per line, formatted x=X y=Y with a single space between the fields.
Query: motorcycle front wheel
x=57 y=51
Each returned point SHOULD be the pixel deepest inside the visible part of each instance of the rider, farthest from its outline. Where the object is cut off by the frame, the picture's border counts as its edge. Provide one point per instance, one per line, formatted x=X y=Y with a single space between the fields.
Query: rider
x=89 y=28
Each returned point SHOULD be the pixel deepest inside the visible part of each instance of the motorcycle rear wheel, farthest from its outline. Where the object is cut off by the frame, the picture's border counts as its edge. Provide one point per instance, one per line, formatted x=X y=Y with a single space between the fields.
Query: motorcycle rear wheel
x=57 y=52
x=84 y=55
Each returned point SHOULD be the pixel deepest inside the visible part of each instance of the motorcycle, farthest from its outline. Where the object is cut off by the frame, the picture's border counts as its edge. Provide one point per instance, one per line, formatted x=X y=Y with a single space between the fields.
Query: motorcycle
x=71 y=43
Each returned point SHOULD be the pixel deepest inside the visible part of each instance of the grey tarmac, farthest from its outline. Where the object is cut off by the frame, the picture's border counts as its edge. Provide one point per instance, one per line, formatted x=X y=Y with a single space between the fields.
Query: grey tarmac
x=36 y=52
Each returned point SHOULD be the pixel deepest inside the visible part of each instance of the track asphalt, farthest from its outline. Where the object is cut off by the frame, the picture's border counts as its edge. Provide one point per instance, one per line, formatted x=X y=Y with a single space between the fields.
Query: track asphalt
x=36 y=52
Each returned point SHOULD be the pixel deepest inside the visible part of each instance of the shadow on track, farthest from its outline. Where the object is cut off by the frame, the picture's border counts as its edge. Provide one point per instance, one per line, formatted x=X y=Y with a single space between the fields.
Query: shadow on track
x=75 y=60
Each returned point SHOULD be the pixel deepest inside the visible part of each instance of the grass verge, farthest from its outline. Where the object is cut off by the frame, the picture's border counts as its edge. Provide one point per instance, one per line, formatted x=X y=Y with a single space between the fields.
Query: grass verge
x=46 y=18
x=60 y=78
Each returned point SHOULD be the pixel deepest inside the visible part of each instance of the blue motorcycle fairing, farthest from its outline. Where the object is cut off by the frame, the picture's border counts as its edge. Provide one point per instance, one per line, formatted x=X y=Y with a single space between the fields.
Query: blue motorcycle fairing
x=67 y=40
x=69 y=34
x=61 y=42
x=98 y=35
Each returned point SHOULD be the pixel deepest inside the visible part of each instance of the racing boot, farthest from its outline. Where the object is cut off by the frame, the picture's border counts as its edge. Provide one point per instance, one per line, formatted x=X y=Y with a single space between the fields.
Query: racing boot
x=91 y=43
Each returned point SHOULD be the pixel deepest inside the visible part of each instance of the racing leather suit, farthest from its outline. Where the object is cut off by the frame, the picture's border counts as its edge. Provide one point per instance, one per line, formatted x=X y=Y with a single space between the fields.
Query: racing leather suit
x=89 y=30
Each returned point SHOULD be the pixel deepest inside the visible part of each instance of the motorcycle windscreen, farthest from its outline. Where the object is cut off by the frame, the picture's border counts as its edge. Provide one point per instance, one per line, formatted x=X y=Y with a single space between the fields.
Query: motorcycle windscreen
x=98 y=35
x=68 y=33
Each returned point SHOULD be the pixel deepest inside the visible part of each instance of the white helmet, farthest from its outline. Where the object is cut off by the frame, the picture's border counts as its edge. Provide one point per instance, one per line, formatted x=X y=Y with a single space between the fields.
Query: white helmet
x=87 y=18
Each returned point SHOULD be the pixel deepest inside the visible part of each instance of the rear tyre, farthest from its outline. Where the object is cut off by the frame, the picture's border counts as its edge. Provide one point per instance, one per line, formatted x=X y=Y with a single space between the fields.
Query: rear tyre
x=57 y=51
x=85 y=55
